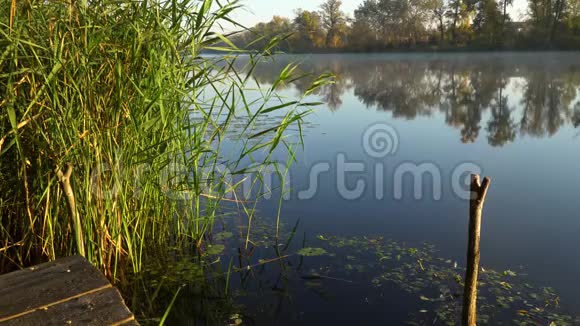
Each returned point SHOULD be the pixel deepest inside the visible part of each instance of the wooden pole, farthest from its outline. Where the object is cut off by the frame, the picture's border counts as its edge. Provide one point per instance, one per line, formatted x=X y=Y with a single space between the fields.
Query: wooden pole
x=478 y=193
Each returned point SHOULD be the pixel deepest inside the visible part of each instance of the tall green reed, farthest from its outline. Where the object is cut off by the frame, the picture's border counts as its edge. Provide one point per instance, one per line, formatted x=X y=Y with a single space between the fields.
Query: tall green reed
x=97 y=100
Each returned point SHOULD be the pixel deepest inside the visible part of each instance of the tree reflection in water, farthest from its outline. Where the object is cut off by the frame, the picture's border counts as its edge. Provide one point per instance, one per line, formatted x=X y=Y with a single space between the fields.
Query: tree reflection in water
x=525 y=94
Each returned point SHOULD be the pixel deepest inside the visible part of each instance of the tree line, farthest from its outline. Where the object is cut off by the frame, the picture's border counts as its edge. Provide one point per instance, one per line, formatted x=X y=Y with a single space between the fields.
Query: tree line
x=381 y=25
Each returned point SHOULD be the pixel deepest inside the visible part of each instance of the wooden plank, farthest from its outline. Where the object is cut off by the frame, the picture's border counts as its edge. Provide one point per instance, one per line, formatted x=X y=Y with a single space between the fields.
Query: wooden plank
x=104 y=307
x=48 y=284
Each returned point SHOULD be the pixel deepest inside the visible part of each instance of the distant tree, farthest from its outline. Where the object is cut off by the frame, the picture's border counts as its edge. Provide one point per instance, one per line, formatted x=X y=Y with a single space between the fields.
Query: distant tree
x=277 y=27
x=334 y=22
x=558 y=15
x=362 y=36
x=393 y=17
x=505 y=16
x=458 y=13
x=546 y=17
x=395 y=22
x=418 y=17
x=366 y=26
x=487 y=23
x=573 y=16
x=308 y=30
x=438 y=10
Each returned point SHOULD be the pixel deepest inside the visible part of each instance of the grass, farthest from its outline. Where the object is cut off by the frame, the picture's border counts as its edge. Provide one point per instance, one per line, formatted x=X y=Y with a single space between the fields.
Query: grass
x=99 y=153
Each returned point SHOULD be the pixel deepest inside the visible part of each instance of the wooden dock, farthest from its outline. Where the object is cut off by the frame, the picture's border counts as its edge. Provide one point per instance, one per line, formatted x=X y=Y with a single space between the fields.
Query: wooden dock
x=68 y=291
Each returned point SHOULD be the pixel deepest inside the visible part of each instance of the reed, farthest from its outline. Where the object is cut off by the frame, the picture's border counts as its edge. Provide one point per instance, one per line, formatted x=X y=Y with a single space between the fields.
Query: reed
x=104 y=105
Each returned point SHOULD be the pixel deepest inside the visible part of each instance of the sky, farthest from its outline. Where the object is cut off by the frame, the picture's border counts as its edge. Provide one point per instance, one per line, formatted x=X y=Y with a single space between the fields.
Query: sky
x=256 y=11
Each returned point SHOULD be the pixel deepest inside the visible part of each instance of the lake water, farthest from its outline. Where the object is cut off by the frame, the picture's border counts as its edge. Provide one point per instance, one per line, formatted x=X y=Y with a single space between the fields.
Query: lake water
x=406 y=129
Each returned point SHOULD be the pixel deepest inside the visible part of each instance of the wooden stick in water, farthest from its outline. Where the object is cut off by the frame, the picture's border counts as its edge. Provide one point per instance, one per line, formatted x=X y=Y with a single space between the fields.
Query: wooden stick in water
x=478 y=194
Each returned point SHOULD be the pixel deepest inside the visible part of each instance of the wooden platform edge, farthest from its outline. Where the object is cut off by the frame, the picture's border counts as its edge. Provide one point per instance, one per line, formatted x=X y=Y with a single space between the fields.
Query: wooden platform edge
x=62 y=291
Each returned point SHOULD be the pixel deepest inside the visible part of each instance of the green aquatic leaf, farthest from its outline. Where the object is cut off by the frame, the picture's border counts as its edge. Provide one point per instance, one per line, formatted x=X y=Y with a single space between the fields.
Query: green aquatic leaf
x=223 y=235
x=505 y=285
x=509 y=273
x=215 y=249
x=311 y=252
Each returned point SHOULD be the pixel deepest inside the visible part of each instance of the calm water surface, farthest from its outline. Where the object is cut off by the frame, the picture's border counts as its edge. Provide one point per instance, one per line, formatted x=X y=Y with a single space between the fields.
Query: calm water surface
x=514 y=115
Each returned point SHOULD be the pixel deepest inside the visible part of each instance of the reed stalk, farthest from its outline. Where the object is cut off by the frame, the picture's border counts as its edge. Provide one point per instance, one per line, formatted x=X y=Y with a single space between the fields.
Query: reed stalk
x=124 y=92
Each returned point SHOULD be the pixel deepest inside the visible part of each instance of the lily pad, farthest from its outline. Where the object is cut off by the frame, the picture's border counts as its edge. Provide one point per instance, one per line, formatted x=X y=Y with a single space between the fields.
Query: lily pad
x=223 y=235
x=311 y=252
x=215 y=249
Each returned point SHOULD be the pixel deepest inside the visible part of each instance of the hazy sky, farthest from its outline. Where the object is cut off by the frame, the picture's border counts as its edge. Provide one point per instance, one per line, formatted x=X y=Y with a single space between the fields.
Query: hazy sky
x=256 y=11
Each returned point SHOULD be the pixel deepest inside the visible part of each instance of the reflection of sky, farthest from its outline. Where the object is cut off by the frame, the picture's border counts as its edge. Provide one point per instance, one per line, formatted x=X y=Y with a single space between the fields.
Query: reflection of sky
x=530 y=217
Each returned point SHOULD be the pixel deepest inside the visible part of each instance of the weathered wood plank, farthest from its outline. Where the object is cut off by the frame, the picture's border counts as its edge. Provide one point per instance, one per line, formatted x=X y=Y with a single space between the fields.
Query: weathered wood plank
x=48 y=284
x=105 y=307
